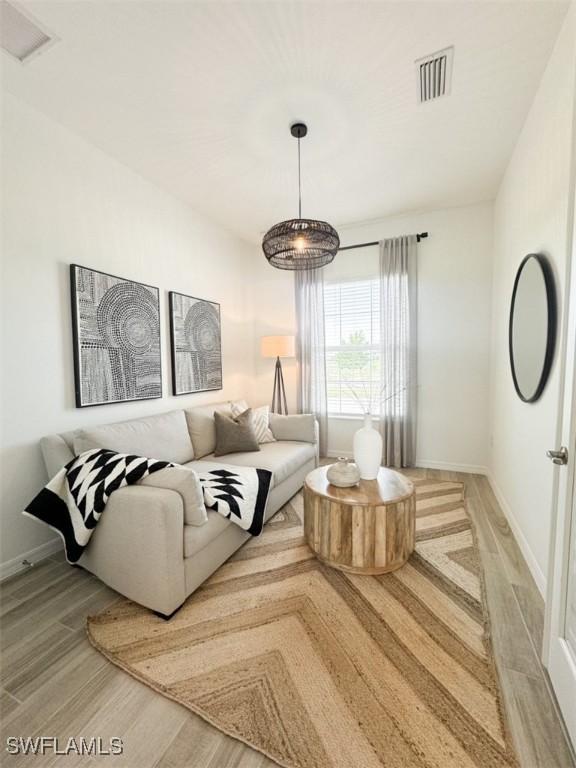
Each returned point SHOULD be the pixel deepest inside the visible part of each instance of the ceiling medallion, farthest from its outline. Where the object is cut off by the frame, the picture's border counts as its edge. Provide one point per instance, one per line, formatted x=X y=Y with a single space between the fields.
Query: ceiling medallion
x=300 y=243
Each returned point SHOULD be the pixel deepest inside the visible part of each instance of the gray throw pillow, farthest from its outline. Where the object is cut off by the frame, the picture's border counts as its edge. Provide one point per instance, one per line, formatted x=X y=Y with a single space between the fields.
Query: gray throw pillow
x=234 y=434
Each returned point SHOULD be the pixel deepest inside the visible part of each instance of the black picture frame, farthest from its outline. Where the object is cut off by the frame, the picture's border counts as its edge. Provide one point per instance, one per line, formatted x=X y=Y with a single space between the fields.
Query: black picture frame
x=144 y=364
x=195 y=344
x=551 y=332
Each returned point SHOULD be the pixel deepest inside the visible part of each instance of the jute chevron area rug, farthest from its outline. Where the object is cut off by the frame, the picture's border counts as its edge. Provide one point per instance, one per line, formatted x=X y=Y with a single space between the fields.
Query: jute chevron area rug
x=321 y=669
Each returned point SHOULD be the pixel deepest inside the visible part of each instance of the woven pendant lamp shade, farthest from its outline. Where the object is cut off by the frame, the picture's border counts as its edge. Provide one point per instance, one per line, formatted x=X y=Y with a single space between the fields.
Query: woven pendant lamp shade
x=300 y=244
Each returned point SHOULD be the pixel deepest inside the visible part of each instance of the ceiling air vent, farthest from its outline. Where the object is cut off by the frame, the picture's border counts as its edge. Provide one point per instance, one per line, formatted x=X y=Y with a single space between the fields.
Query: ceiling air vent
x=20 y=36
x=434 y=75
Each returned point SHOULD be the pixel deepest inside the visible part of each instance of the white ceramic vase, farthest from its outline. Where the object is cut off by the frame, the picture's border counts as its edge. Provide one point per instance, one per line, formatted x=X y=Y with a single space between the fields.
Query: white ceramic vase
x=368 y=449
x=343 y=474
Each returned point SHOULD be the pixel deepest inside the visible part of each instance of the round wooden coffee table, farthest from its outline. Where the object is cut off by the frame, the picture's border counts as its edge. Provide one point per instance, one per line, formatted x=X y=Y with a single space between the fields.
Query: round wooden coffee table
x=368 y=528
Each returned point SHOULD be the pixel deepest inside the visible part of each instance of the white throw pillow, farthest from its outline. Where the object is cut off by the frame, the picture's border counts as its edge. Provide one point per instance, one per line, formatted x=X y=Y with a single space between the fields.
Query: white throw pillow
x=260 y=420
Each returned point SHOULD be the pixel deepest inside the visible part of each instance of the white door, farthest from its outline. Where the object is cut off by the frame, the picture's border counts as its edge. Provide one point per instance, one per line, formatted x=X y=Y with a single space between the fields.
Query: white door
x=570 y=623
x=560 y=647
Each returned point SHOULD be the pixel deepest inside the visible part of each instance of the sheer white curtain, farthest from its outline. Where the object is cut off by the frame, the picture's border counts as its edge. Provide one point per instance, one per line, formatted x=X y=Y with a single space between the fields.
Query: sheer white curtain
x=398 y=339
x=311 y=348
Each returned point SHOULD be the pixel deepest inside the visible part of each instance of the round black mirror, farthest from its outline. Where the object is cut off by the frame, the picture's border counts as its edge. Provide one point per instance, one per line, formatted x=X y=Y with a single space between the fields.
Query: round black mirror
x=532 y=327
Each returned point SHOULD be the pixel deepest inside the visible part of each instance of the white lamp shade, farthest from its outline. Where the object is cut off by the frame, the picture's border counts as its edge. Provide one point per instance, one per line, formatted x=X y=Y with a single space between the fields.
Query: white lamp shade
x=277 y=346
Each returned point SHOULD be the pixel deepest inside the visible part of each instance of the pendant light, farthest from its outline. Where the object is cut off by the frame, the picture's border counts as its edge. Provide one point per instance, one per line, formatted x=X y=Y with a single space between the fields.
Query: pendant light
x=300 y=243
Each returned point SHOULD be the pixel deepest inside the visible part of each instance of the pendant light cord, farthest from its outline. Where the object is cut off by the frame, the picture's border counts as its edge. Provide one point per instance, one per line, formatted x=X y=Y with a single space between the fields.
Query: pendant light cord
x=299 y=184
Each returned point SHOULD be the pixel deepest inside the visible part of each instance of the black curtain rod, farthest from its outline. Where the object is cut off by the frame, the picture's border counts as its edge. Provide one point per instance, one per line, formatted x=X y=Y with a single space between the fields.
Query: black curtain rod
x=420 y=236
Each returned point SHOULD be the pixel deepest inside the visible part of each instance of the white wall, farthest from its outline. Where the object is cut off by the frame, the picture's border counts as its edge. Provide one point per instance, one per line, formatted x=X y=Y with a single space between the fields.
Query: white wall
x=275 y=316
x=65 y=201
x=532 y=214
x=454 y=285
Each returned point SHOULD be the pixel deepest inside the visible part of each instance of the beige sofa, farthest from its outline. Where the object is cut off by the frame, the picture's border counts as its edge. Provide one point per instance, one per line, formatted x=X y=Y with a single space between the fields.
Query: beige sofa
x=142 y=547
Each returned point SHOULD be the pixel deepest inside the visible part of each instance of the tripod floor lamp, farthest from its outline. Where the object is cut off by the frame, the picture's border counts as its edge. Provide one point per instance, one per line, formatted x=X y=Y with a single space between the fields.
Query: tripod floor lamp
x=278 y=346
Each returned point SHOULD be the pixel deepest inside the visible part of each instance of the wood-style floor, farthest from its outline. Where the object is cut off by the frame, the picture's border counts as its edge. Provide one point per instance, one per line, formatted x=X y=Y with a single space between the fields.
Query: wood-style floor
x=55 y=684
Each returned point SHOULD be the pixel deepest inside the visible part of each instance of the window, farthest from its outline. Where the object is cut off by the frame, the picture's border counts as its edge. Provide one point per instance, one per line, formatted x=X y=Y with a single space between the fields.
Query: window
x=352 y=320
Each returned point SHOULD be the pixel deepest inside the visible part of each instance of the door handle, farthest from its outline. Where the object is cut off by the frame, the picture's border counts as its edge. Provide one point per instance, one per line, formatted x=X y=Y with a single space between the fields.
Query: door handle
x=558 y=457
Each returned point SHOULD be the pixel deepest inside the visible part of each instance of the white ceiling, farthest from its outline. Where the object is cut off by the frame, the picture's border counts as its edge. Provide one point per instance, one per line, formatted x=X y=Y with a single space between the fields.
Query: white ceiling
x=198 y=97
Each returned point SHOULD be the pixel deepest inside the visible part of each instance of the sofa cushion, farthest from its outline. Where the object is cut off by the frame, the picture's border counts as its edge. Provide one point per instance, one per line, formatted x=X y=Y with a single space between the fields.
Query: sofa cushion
x=202 y=427
x=281 y=458
x=164 y=437
x=196 y=538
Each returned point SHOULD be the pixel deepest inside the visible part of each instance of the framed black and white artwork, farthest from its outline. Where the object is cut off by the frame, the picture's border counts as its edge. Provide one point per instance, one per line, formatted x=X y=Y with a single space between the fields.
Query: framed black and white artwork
x=196 y=344
x=116 y=336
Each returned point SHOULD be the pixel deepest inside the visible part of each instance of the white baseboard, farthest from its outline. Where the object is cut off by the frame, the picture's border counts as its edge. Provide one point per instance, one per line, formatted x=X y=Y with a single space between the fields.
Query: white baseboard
x=17 y=564
x=527 y=553
x=469 y=469
x=474 y=469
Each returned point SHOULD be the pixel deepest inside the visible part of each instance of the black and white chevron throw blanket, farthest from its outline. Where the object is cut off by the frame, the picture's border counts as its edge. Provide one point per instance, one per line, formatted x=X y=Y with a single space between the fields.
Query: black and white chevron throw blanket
x=74 y=500
x=238 y=493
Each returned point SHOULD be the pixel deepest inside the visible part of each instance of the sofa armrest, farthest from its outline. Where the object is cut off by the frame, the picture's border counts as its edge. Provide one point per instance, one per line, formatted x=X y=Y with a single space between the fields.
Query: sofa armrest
x=137 y=547
x=300 y=427
x=185 y=482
